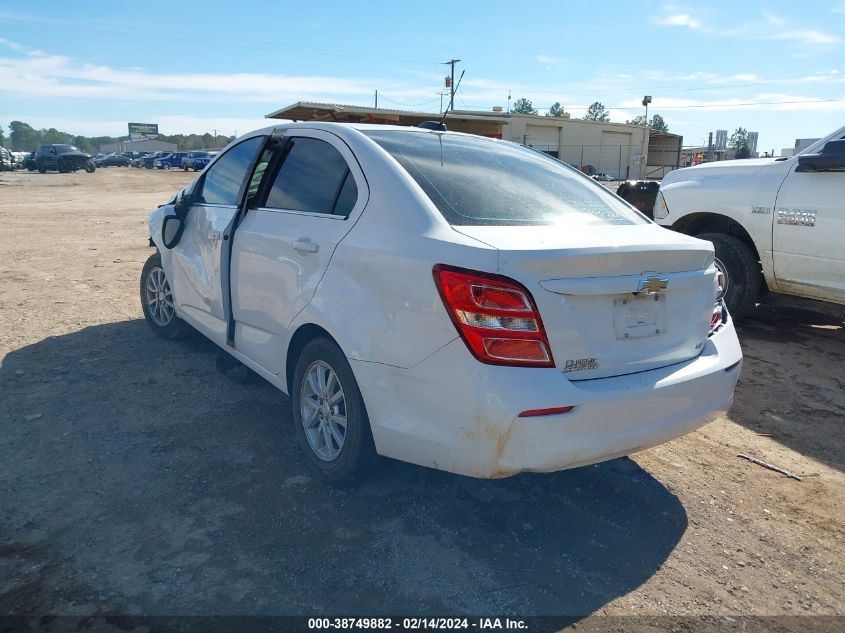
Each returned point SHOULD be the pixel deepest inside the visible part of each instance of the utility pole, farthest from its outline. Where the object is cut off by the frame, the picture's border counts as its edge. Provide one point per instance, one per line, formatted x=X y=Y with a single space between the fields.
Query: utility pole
x=376 y=99
x=452 y=63
x=442 y=94
x=215 y=137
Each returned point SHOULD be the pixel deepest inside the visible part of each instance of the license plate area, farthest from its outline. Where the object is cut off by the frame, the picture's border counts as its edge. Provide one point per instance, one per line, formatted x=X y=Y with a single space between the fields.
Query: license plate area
x=639 y=316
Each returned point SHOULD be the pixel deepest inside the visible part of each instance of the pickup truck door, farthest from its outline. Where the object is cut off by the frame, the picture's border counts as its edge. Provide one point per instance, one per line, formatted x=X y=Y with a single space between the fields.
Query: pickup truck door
x=311 y=194
x=808 y=235
x=197 y=276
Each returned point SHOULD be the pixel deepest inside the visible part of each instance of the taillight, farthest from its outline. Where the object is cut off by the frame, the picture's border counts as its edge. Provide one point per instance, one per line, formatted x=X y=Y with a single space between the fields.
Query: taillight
x=495 y=316
x=718 y=317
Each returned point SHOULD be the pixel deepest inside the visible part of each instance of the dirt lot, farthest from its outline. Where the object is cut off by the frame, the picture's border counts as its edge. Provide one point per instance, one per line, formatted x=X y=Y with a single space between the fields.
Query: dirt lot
x=136 y=479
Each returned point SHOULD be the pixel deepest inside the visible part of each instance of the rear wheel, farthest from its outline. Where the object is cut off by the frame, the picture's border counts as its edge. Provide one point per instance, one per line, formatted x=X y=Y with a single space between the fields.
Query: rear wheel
x=740 y=277
x=157 y=302
x=329 y=415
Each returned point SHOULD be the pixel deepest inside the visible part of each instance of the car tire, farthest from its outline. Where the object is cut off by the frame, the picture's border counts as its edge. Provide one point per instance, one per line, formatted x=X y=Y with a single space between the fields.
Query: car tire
x=154 y=292
x=42 y=170
x=337 y=454
x=90 y=167
x=742 y=273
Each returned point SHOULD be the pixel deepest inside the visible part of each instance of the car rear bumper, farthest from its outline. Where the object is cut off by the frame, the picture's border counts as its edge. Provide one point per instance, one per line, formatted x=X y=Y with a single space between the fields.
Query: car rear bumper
x=453 y=413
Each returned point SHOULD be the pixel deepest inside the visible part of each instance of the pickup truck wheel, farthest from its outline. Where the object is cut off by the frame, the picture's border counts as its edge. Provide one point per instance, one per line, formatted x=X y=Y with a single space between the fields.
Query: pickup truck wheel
x=329 y=416
x=42 y=170
x=739 y=269
x=157 y=302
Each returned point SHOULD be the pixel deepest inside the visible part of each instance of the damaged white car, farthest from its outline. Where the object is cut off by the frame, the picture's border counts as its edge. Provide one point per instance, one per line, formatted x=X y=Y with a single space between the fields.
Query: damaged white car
x=444 y=299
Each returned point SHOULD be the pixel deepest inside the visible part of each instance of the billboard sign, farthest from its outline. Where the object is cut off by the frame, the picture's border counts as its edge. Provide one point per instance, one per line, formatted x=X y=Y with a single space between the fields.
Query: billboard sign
x=143 y=131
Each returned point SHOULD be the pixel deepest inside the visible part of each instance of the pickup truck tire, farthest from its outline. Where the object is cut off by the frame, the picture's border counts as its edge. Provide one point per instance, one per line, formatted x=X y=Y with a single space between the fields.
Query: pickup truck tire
x=741 y=270
x=154 y=288
x=324 y=390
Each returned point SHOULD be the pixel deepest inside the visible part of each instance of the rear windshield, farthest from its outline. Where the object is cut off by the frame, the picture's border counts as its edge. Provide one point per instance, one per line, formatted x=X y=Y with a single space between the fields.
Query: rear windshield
x=477 y=181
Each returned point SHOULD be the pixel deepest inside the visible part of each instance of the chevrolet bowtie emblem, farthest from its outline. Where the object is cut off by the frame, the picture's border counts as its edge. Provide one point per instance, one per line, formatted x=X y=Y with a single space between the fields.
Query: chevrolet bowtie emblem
x=652 y=285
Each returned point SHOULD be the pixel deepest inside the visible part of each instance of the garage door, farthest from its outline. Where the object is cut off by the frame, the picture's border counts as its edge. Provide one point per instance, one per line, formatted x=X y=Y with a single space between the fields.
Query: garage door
x=615 y=154
x=543 y=137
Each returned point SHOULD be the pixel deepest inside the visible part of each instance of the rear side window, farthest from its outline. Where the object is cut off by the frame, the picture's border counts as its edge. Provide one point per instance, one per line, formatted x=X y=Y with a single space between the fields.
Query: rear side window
x=315 y=178
x=477 y=181
x=223 y=181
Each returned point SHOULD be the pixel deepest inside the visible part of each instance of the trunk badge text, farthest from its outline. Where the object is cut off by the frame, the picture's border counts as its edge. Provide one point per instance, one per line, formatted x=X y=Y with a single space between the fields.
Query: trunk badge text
x=652 y=284
x=580 y=364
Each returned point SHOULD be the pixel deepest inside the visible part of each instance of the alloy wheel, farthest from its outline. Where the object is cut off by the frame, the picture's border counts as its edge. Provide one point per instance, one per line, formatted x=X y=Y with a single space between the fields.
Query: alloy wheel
x=323 y=408
x=159 y=298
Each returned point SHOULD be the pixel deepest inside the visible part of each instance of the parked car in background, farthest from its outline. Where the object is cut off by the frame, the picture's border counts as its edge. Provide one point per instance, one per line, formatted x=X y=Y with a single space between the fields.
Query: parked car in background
x=29 y=162
x=113 y=160
x=776 y=223
x=147 y=162
x=138 y=159
x=602 y=177
x=196 y=160
x=18 y=159
x=62 y=158
x=170 y=160
x=445 y=299
x=6 y=161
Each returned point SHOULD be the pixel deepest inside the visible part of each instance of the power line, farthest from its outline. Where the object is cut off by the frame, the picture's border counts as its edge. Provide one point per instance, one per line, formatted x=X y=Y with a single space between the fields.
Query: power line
x=409 y=105
x=713 y=105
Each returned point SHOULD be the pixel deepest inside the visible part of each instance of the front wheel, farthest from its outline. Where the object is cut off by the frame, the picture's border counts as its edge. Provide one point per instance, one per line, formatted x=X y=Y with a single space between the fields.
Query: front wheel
x=157 y=302
x=329 y=416
x=90 y=167
x=740 y=275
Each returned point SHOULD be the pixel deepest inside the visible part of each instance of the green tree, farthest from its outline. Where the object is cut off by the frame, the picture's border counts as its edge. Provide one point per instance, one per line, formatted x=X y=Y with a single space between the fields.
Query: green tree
x=23 y=137
x=657 y=123
x=84 y=143
x=556 y=109
x=2 y=136
x=597 y=112
x=54 y=136
x=739 y=143
x=523 y=106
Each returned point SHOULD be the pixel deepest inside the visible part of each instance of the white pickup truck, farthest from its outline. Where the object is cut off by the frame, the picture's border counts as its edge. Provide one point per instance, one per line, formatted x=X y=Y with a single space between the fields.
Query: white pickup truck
x=782 y=216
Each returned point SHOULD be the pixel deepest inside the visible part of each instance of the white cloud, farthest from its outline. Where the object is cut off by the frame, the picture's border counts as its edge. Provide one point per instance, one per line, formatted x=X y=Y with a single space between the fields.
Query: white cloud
x=680 y=19
x=772 y=19
x=549 y=62
x=13 y=45
x=41 y=75
x=809 y=37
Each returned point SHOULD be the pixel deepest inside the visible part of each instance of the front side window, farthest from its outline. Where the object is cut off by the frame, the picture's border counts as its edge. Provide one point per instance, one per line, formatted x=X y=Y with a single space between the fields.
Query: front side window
x=222 y=183
x=477 y=181
x=315 y=178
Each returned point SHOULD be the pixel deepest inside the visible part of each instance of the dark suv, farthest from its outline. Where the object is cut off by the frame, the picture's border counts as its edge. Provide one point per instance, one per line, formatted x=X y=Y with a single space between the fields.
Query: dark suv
x=63 y=158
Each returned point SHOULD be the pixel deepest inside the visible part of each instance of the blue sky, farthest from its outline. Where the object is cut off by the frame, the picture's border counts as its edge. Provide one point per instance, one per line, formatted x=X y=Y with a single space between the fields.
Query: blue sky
x=90 y=67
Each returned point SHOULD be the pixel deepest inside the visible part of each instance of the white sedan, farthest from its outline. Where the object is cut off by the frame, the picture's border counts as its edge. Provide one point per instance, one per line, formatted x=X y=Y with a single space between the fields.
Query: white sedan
x=444 y=299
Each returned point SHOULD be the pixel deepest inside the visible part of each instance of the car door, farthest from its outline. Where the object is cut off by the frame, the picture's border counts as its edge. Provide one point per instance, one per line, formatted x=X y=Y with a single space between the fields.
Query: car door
x=311 y=194
x=197 y=275
x=808 y=234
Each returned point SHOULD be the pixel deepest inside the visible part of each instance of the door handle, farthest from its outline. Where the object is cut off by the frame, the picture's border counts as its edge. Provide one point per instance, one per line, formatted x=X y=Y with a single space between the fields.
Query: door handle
x=305 y=245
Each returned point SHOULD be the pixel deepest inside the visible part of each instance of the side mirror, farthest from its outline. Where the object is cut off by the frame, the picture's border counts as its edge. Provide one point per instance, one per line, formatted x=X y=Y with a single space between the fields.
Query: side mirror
x=171 y=231
x=831 y=156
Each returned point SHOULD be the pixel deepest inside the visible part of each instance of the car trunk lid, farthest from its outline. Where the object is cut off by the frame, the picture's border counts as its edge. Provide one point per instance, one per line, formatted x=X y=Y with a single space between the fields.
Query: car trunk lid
x=614 y=299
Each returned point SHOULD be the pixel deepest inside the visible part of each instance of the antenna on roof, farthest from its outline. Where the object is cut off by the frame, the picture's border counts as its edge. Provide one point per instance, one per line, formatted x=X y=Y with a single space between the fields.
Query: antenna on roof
x=452 y=100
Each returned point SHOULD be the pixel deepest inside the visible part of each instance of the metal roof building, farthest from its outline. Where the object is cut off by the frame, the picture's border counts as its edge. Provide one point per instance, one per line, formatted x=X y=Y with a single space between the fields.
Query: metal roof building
x=616 y=149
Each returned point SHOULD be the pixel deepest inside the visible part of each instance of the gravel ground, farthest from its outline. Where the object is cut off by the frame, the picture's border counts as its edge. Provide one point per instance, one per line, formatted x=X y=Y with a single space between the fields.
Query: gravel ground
x=136 y=479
